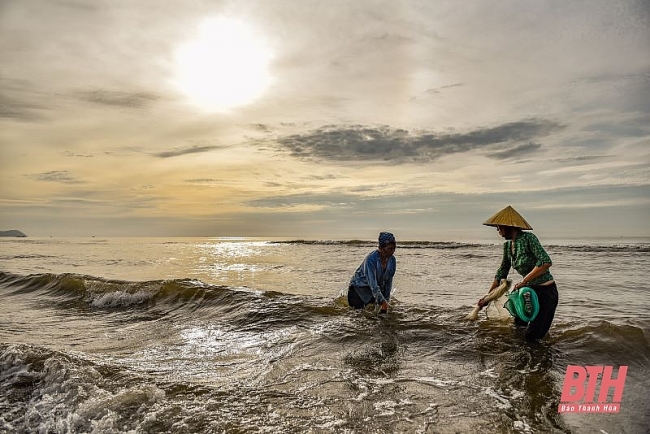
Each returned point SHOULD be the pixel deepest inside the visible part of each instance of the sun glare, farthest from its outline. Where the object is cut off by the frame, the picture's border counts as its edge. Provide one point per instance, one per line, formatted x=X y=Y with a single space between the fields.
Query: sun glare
x=226 y=66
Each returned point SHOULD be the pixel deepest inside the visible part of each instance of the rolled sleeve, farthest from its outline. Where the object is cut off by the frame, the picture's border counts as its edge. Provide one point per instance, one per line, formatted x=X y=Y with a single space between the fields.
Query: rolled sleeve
x=504 y=269
x=371 y=275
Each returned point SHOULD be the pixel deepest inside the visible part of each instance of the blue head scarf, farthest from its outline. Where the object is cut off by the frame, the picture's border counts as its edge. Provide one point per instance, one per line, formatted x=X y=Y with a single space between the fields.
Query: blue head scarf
x=386 y=238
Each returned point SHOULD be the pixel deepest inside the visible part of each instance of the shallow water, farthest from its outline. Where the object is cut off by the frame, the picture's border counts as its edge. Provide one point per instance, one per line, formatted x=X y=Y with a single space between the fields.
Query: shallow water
x=211 y=335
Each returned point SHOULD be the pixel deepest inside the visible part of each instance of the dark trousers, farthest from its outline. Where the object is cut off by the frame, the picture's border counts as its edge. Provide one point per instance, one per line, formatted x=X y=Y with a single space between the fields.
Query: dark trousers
x=548 y=299
x=354 y=300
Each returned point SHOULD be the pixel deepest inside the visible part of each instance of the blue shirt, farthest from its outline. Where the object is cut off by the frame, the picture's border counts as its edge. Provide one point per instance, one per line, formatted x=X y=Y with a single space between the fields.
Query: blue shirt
x=371 y=280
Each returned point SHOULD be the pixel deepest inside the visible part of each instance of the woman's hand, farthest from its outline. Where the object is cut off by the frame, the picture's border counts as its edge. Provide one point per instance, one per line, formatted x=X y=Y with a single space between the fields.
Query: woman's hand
x=520 y=285
x=481 y=302
x=535 y=272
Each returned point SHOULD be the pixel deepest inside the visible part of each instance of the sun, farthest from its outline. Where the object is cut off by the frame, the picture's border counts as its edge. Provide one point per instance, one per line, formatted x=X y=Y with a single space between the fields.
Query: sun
x=226 y=66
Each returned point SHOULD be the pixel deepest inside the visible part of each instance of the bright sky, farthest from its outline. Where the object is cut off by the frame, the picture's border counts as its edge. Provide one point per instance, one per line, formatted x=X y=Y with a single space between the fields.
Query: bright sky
x=324 y=119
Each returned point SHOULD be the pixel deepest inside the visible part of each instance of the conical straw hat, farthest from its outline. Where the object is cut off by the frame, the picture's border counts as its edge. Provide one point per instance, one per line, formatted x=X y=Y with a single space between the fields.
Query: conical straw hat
x=508 y=217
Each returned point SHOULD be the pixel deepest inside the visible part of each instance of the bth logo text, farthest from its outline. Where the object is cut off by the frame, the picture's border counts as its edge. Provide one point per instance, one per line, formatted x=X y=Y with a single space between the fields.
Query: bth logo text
x=581 y=385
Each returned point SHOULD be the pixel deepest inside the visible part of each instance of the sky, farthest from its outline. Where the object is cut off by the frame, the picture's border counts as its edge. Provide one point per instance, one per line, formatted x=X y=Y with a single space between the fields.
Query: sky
x=324 y=119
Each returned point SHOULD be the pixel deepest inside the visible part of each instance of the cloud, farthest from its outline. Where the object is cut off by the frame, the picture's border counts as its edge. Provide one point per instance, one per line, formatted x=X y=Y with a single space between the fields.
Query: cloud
x=438 y=90
x=75 y=154
x=305 y=199
x=16 y=106
x=516 y=152
x=580 y=159
x=202 y=181
x=131 y=100
x=634 y=127
x=261 y=127
x=192 y=150
x=557 y=198
x=61 y=176
x=368 y=143
x=16 y=110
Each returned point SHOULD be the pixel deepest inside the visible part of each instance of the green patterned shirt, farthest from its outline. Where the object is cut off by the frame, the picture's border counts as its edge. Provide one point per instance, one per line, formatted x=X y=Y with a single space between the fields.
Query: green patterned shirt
x=528 y=253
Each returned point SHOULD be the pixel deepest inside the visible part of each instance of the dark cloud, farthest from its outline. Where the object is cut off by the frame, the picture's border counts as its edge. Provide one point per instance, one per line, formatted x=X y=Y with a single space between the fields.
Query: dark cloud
x=438 y=90
x=192 y=150
x=322 y=177
x=76 y=154
x=262 y=127
x=132 y=100
x=639 y=126
x=203 y=181
x=365 y=143
x=18 y=111
x=581 y=159
x=516 y=152
x=13 y=102
x=320 y=199
x=62 y=176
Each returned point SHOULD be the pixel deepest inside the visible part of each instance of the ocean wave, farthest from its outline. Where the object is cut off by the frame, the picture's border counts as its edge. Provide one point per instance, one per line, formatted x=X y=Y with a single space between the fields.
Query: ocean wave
x=238 y=360
x=602 y=248
x=26 y=256
x=401 y=244
x=101 y=293
x=188 y=299
x=60 y=391
x=623 y=343
x=590 y=247
x=45 y=390
x=255 y=310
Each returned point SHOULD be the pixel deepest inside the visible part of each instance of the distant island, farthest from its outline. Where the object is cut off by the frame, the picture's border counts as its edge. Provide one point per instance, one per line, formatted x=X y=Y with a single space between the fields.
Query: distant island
x=12 y=233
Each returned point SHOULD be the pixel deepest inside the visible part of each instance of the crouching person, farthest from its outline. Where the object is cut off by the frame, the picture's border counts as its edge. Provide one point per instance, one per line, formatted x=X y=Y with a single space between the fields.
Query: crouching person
x=373 y=280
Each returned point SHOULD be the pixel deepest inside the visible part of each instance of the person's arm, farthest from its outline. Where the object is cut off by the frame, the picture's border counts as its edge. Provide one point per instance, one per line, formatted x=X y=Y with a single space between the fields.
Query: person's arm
x=502 y=272
x=504 y=268
x=495 y=284
x=542 y=262
x=388 y=288
x=386 y=294
x=371 y=274
x=392 y=264
x=534 y=274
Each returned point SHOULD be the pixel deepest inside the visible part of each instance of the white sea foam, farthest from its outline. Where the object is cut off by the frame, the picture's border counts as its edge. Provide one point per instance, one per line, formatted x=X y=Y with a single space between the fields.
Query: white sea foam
x=385 y=408
x=121 y=299
x=502 y=401
x=522 y=426
x=334 y=423
x=437 y=382
x=489 y=373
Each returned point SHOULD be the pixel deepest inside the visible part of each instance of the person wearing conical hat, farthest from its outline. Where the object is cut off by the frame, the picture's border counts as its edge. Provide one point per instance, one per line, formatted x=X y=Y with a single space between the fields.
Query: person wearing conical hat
x=523 y=252
x=372 y=282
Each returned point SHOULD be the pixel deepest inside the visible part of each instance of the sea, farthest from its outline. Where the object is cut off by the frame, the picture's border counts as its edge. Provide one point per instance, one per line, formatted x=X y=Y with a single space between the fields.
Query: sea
x=248 y=335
